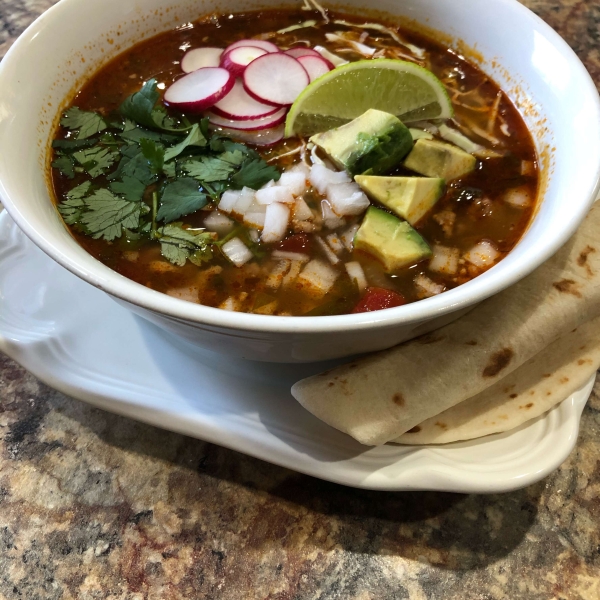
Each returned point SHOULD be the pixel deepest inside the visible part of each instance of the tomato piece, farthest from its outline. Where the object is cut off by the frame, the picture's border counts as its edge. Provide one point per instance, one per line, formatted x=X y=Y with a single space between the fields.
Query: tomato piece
x=300 y=243
x=377 y=299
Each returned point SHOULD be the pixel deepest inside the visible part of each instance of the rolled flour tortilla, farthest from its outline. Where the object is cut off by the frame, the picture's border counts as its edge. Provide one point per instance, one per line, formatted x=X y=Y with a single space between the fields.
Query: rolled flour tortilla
x=528 y=392
x=378 y=398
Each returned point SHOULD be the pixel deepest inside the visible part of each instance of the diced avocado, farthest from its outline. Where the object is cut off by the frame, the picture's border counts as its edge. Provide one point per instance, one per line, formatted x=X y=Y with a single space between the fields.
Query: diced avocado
x=373 y=143
x=409 y=197
x=437 y=159
x=392 y=241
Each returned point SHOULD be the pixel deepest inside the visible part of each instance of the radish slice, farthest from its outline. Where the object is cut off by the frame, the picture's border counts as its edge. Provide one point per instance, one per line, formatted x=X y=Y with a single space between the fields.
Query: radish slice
x=275 y=79
x=199 y=89
x=236 y=60
x=240 y=106
x=299 y=51
x=263 y=137
x=268 y=46
x=255 y=124
x=315 y=66
x=199 y=58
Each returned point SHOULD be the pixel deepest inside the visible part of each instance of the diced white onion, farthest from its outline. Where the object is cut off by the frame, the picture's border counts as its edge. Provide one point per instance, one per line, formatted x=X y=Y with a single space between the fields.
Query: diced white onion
x=330 y=219
x=302 y=211
x=255 y=215
x=427 y=287
x=347 y=198
x=317 y=277
x=320 y=177
x=335 y=243
x=356 y=273
x=276 y=275
x=293 y=273
x=360 y=48
x=190 y=293
x=253 y=235
x=218 y=222
x=228 y=200
x=347 y=237
x=236 y=251
x=527 y=168
x=276 y=222
x=277 y=193
x=300 y=167
x=331 y=257
x=229 y=304
x=444 y=260
x=482 y=254
x=518 y=197
x=244 y=201
x=283 y=255
x=334 y=59
x=294 y=181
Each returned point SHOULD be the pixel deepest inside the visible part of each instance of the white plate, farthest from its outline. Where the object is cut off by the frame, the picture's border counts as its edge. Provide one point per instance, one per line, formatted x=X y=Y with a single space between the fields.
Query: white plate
x=76 y=339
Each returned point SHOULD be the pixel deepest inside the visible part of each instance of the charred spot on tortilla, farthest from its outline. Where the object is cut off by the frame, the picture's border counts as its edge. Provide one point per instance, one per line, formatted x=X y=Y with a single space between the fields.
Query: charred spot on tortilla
x=498 y=361
x=324 y=373
x=398 y=399
x=582 y=258
x=441 y=425
x=564 y=380
x=352 y=366
x=330 y=384
x=567 y=286
x=471 y=343
x=546 y=375
x=584 y=361
x=429 y=338
x=527 y=406
x=415 y=429
x=513 y=395
x=548 y=393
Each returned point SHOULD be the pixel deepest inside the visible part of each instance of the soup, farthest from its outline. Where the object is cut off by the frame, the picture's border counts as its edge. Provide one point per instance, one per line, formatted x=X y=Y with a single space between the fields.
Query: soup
x=196 y=192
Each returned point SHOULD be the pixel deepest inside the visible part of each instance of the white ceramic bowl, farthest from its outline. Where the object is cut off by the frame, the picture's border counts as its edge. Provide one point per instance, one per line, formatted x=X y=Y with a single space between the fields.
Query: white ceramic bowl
x=527 y=58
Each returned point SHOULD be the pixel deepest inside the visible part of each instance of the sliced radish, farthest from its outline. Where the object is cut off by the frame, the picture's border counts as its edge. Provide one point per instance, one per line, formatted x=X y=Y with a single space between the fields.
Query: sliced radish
x=249 y=124
x=236 y=60
x=198 y=58
x=263 y=137
x=315 y=66
x=240 y=106
x=297 y=52
x=199 y=89
x=275 y=79
x=268 y=46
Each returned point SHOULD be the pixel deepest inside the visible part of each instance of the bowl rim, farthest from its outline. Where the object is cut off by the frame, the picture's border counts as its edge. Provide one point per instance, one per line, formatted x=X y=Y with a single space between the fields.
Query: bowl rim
x=424 y=310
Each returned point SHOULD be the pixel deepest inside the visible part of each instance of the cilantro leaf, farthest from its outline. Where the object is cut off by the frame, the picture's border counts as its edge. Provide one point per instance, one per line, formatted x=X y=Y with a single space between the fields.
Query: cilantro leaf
x=193 y=138
x=106 y=215
x=95 y=160
x=65 y=165
x=154 y=153
x=179 y=198
x=130 y=187
x=133 y=164
x=88 y=123
x=71 y=144
x=72 y=208
x=138 y=107
x=136 y=134
x=141 y=108
x=254 y=174
x=170 y=170
x=178 y=244
x=208 y=168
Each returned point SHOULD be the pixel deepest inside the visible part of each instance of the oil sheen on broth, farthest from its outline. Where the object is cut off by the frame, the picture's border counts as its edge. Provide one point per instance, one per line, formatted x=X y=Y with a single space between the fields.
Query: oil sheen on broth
x=475 y=208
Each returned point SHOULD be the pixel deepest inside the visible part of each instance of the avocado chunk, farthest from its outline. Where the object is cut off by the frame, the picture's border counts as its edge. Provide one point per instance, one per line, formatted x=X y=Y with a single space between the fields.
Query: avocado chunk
x=408 y=197
x=373 y=143
x=437 y=159
x=392 y=241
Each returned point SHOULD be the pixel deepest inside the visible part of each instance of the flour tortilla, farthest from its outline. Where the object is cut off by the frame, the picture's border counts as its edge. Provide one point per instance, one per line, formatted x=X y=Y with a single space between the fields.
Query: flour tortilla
x=380 y=397
x=528 y=392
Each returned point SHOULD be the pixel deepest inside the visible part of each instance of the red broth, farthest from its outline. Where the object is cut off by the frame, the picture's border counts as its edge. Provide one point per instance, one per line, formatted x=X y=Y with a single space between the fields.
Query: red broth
x=475 y=208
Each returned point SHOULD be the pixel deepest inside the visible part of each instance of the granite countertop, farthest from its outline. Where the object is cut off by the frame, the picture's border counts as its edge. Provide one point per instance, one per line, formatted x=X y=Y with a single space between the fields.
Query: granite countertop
x=96 y=506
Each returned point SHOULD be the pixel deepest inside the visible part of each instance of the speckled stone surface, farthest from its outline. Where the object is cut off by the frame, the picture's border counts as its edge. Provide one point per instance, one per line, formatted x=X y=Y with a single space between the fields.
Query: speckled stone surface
x=98 y=507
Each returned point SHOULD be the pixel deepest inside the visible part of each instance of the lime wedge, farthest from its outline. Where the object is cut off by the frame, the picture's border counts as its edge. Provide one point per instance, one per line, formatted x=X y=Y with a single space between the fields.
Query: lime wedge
x=401 y=88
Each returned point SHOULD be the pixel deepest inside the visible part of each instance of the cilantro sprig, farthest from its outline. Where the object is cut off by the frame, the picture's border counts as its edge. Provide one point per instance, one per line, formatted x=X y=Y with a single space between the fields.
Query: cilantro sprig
x=139 y=171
